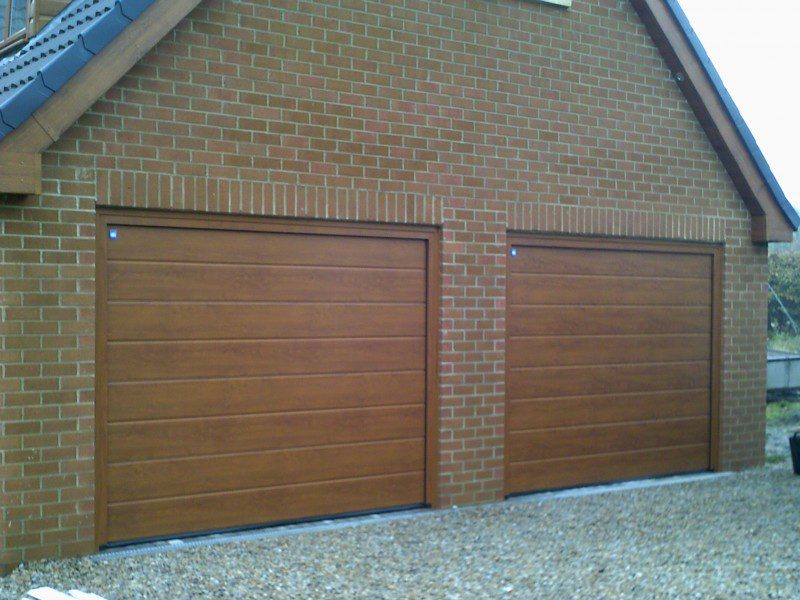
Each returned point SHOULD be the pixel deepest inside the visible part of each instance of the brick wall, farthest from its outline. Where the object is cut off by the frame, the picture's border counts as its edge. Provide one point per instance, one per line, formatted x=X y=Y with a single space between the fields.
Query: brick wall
x=47 y=350
x=475 y=116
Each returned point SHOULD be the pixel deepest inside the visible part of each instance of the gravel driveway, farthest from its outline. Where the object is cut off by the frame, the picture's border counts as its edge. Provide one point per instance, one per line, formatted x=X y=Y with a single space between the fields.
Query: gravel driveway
x=732 y=537
x=782 y=421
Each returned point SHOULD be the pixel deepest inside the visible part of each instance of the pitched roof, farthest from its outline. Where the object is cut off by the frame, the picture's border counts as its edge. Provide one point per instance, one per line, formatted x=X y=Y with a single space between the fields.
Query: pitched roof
x=744 y=131
x=32 y=74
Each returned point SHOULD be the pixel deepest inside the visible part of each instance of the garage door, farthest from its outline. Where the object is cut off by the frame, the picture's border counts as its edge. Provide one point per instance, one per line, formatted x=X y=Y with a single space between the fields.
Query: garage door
x=248 y=377
x=609 y=362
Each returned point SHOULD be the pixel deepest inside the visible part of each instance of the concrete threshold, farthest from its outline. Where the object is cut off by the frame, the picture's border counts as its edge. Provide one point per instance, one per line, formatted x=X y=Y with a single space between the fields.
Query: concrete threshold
x=347 y=522
x=610 y=488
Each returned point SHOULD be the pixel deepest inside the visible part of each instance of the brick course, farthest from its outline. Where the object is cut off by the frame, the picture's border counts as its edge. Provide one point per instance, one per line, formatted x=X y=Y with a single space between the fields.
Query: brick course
x=478 y=117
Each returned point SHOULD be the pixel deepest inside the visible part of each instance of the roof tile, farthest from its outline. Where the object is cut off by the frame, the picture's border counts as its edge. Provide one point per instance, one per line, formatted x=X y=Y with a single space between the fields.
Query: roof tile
x=42 y=66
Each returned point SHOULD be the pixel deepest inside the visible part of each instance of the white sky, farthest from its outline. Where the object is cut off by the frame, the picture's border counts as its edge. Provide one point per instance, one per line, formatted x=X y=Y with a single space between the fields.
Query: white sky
x=755 y=46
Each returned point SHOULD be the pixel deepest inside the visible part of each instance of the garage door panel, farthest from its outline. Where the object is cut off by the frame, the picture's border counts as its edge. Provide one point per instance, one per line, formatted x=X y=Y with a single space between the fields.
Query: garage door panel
x=140 y=361
x=565 y=442
x=256 y=376
x=214 y=283
x=150 y=518
x=187 y=321
x=609 y=361
x=592 y=350
x=606 y=320
x=615 y=408
x=202 y=398
x=163 y=244
x=624 y=263
x=147 y=440
x=190 y=476
x=592 y=290
x=551 y=382
x=559 y=473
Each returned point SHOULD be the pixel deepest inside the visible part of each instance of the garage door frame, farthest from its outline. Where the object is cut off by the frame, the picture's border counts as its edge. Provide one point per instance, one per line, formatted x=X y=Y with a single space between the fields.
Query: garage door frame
x=154 y=218
x=714 y=251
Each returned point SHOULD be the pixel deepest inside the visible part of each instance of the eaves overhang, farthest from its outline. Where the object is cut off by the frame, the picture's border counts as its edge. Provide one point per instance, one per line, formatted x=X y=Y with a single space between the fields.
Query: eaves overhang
x=30 y=76
x=47 y=85
x=736 y=116
x=772 y=216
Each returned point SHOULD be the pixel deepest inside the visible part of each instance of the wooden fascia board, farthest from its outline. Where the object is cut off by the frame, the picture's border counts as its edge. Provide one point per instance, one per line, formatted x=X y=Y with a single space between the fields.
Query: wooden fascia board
x=768 y=222
x=77 y=96
x=20 y=173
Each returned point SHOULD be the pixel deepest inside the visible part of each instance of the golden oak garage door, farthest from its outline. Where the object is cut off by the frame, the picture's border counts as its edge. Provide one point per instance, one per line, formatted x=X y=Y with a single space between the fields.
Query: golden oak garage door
x=253 y=376
x=609 y=362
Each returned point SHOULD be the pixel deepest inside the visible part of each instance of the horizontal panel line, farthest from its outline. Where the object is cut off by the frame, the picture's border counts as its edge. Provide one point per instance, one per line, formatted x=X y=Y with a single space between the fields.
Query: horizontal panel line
x=569 y=336
x=294 y=447
x=706 y=278
x=177 y=263
x=613 y=245
x=704 y=417
x=595 y=424
x=260 y=340
x=257 y=377
x=245 y=489
x=623 y=394
x=296 y=375
x=591 y=395
x=597 y=365
x=270 y=487
x=222 y=340
x=259 y=303
x=600 y=454
x=643 y=306
x=697 y=307
x=119 y=300
x=337 y=409
x=270 y=451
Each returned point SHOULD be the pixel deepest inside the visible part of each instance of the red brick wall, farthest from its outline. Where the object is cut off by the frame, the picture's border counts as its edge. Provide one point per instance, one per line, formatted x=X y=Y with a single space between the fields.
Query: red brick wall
x=475 y=116
x=47 y=362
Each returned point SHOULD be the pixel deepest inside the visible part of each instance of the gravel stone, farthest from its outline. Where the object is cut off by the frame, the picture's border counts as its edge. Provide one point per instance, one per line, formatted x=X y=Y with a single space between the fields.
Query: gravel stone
x=732 y=537
x=777 y=446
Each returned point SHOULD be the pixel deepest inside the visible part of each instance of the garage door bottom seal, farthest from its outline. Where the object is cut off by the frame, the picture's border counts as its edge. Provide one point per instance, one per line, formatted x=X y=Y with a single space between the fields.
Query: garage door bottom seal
x=399 y=514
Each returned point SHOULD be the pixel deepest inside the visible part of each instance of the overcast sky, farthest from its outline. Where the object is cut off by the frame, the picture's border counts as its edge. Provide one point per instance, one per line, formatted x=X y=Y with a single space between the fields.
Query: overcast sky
x=755 y=46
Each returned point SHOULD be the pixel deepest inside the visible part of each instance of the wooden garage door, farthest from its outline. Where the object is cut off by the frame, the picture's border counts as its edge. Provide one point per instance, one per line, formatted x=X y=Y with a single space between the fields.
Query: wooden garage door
x=258 y=376
x=609 y=368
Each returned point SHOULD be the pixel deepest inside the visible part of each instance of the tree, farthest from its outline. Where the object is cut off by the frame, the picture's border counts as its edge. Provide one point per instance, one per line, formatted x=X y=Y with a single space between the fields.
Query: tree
x=784 y=279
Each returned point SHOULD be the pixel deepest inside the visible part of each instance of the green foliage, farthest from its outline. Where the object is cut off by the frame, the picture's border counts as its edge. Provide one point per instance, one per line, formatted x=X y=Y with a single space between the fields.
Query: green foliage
x=784 y=277
x=783 y=413
x=784 y=342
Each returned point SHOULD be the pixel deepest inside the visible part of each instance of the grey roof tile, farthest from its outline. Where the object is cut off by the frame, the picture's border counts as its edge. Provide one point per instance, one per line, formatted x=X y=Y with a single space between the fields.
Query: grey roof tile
x=42 y=66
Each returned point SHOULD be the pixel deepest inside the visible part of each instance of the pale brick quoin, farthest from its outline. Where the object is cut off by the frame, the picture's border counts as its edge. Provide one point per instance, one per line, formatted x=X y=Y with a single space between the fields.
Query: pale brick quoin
x=478 y=118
